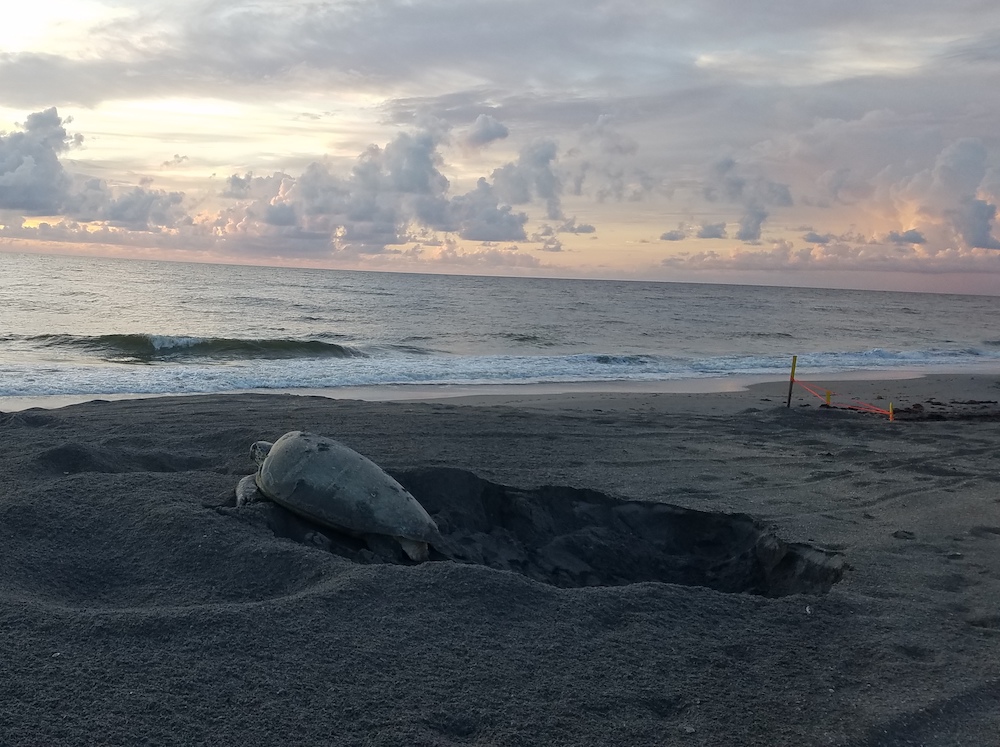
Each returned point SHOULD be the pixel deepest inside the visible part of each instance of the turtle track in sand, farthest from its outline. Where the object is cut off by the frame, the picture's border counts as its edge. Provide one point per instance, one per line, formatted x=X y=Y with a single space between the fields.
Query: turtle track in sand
x=571 y=537
x=76 y=458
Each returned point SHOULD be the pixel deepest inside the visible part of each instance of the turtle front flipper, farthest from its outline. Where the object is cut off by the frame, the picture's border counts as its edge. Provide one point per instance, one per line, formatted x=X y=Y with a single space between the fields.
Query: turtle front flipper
x=247 y=491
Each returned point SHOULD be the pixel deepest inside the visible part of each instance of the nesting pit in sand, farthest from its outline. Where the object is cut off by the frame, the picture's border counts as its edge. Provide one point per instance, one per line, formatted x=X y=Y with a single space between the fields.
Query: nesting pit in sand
x=571 y=537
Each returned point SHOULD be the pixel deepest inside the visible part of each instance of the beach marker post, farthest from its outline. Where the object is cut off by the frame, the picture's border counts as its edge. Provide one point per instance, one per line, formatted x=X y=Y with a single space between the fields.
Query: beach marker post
x=791 y=380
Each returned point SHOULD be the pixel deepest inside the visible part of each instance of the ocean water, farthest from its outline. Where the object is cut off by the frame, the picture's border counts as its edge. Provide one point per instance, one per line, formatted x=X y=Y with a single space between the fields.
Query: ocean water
x=83 y=326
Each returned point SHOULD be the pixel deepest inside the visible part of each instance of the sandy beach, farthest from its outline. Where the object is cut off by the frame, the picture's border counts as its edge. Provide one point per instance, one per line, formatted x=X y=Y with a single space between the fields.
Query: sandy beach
x=634 y=568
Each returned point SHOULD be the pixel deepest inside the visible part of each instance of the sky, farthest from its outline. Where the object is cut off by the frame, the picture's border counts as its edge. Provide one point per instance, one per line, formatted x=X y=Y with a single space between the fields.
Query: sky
x=853 y=143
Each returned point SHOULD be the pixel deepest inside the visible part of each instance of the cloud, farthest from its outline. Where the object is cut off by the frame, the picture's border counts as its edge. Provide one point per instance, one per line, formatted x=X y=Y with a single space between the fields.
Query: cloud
x=676 y=235
x=136 y=208
x=947 y=194
x=912 y=236
x=531 y=175
x=485 y=130
x=487 y=257
x=238 y=186
x=571 y=226
x=782 y=256
x=973 y=220
x=409 y=164
x=712 y=231
x=390 y=193
x=842 y=185
x=815 y=238
x=879 y=134
x=609 y=140
x=751 y=222
x=363 y=212
x=730 y=182
x=32 y=179
x=390 y=196
x=281 y=214
x=606 y=164
x=140 y=209
x=242 y=47
x=562 y=46
x=477 y=216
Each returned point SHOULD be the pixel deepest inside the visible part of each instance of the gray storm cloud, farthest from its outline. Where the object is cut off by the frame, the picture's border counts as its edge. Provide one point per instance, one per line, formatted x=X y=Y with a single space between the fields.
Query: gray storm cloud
x=974 y=221
x=913 y=236
x=391 y=190
x=607 y=165
x=729 y=182
x=531 y=175
x=751 y=223
x=238 y=186
x=712 y=231
x=608 y=139
x=485 y=130
x=477 y=216
x=136 y=208
x=140 y=209
x=571 y=226
x=366 y=211
x=32 y=179
x=812 y=237
x=281 y=214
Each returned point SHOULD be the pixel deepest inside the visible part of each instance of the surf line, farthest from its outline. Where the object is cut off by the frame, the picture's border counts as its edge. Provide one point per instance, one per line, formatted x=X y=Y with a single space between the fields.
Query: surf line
x=828 y=394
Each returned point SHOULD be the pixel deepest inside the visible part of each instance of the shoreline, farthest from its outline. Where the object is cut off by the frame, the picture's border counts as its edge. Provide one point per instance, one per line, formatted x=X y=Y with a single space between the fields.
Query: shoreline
x=513 y=393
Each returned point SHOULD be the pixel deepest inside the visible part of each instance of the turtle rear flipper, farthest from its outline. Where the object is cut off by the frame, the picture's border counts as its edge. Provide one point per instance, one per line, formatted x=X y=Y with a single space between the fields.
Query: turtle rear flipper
x=396 y=549
x=384 y=547
x=415 y=550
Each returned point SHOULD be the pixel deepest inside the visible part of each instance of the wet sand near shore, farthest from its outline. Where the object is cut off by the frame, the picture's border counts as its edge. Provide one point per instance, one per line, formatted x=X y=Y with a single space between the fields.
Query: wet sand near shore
x=634 y=568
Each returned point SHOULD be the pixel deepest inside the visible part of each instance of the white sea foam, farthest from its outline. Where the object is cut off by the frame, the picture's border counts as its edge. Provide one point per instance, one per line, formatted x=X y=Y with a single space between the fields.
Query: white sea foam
x=305 y=373
x=171 y=342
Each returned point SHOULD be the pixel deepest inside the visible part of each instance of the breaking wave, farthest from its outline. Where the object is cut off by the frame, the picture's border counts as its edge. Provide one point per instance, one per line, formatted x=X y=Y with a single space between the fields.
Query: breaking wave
x=142 y=348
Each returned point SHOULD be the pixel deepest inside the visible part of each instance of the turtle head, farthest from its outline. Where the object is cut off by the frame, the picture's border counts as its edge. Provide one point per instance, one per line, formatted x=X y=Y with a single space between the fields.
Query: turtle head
x=259 y=451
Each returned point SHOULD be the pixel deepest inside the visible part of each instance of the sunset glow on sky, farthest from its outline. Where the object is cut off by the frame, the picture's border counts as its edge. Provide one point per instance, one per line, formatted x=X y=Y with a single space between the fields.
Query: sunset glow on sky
x=831 y=144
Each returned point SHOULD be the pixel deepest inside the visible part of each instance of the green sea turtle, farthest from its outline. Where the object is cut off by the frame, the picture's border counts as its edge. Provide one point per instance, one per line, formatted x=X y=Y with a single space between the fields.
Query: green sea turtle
x=332 y=485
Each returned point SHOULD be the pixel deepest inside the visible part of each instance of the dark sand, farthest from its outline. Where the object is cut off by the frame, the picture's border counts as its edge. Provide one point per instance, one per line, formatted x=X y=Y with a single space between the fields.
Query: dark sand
x=139 y=606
